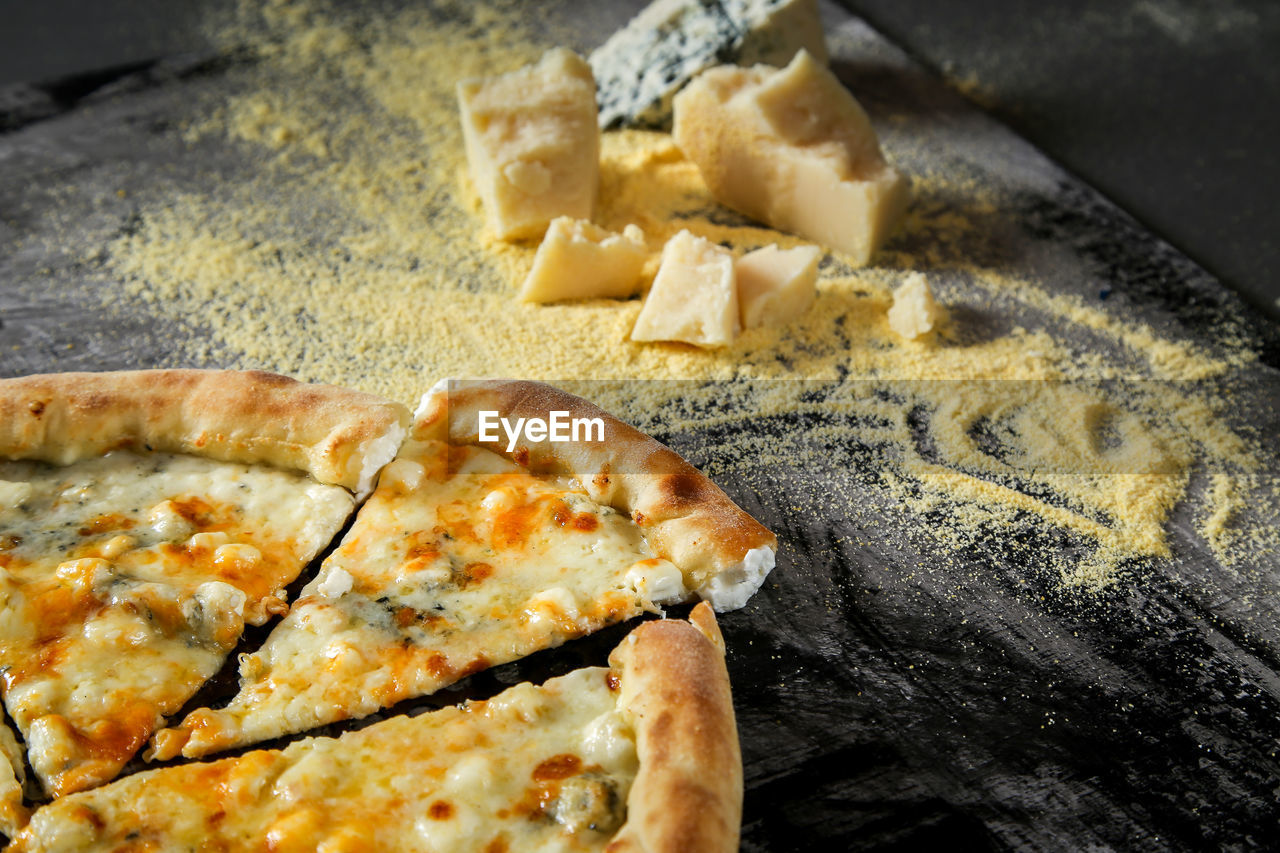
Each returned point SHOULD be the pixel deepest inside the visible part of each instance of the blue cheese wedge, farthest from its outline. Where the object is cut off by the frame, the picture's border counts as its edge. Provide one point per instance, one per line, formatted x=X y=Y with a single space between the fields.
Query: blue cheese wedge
x=532 y=144
x=641 y=67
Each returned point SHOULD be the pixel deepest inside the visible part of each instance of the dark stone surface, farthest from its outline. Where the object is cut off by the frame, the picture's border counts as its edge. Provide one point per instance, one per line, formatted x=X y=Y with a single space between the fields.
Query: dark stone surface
x=1170 y=108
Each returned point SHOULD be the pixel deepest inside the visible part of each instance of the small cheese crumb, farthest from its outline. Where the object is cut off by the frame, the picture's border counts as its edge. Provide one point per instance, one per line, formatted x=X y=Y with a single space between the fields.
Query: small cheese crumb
x=236 y=558
x=915 y=313
x=116 y=545
x=336 y=584
x=500 y=500
x=167 y=523
x=210 y=539
x=776 y=286
x=218 y=607
x=694 y=297
x=578 y=260
x=552 y=608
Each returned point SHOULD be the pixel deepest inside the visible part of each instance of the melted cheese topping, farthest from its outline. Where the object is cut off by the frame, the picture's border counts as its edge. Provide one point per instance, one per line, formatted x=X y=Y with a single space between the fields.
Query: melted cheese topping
x=459 y=561
x=534 y=768
x=13 y=814
x=124 y=582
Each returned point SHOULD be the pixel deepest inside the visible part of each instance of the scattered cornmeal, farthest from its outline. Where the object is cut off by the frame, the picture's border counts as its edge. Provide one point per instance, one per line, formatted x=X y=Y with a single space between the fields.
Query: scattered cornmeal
x=344 y=249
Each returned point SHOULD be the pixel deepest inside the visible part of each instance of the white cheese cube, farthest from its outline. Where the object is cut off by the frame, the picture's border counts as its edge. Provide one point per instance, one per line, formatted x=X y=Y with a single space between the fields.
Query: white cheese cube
x=694 y=297
x=793 y=149
x=532 y=144
x=915 y=313
x=642 y=66
x=775 y=286
x=578 y=260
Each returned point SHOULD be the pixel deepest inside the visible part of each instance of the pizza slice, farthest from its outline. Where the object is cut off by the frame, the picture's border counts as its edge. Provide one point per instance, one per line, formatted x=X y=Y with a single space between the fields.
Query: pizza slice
x=468 y=555
x=145 y=517
x=639 y=756
x=13 y=813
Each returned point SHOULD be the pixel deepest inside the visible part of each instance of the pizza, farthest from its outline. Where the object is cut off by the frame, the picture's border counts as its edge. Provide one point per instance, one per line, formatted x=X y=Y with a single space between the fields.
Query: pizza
x=148 y=517
x=145 y=518
x=13 y=813
x=471 y=553
x=641 y=755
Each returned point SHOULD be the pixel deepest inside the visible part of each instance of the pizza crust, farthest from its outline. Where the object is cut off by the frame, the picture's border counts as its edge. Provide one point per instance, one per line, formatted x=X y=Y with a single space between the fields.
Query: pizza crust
x=687 y=795
x=723 y=551
x=338 y=436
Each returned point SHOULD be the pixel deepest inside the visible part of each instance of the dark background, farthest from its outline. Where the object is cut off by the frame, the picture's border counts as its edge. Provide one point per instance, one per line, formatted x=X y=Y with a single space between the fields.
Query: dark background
x=1169 y=107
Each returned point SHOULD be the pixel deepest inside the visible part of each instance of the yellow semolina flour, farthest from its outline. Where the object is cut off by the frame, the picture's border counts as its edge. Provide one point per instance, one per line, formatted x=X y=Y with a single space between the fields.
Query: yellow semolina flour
x=352 y=251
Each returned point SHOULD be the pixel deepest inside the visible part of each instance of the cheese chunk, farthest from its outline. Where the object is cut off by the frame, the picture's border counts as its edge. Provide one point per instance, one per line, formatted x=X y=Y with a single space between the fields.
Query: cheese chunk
x=642 y=66
x=915 y=313
x=694 y=297
x=577 y=260
x=532 y=144
x=793 y=149
x=775 y=286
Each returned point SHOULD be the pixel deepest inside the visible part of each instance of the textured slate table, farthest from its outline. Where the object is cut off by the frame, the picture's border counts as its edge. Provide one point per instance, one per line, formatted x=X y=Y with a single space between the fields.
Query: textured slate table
x=971 y=705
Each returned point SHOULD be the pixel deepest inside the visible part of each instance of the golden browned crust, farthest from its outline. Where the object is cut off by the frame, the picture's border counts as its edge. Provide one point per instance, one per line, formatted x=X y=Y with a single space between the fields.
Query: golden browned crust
x=687 y=795
x=686 y=517
x=337 y=436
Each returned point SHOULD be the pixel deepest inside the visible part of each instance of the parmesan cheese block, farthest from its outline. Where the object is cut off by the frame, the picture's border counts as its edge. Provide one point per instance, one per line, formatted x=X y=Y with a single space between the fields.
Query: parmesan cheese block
x=124 y=582
x=915 y=313
x=459 y=561
x=534 y=768
x=13 y=814
x=532 y=144
x=642 y=66
x=578 y=260
x=775 y=286
x=694 y=297
x=793 y=149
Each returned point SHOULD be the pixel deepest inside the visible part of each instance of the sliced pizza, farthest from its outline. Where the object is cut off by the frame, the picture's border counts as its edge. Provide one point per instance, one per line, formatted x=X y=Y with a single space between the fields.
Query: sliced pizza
x=465 y=557
x=639 y=756
x=13 y=813
x=145 y=517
